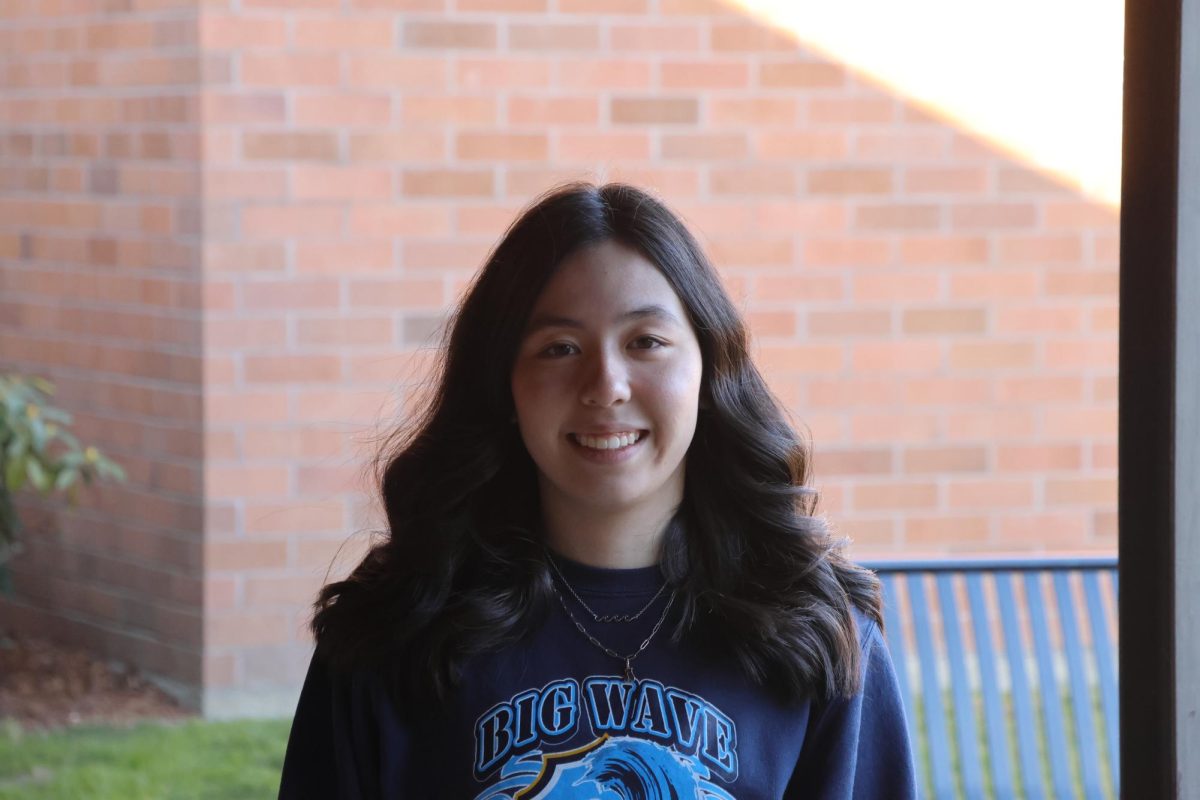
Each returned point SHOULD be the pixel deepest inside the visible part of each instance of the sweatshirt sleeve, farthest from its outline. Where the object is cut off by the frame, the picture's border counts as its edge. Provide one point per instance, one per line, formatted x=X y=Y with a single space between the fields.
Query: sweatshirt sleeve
x=857 y=748
x=333 y=748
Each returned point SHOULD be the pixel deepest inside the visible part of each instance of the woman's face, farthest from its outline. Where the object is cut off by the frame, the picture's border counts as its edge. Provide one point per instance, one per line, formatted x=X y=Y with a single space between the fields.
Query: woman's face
x=606 y=384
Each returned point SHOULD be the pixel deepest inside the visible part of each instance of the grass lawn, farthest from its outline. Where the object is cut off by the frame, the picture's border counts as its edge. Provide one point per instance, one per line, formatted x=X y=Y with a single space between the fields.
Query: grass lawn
x=152 y=761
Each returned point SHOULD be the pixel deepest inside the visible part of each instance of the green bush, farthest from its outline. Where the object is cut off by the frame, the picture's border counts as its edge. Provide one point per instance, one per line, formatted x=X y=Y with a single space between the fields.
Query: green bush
x=38 y=450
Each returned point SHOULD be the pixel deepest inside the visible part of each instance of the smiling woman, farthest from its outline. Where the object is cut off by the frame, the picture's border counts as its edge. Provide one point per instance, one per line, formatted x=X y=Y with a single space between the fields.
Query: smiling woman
x=604 y=575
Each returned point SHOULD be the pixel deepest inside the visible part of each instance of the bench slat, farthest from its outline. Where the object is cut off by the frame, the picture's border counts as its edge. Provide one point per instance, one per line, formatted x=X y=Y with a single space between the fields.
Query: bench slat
x=993 y=707
x=1031 y=770
x=931 y=692
x=964 y=705
x=1052 y=709
x=1102 y=646
x=1081 y=697
x=895 y=642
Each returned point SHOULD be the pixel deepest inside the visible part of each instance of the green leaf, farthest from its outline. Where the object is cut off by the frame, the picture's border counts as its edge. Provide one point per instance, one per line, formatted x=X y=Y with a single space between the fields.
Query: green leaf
x=65 y=478
x=14 y=474
x=37 y=475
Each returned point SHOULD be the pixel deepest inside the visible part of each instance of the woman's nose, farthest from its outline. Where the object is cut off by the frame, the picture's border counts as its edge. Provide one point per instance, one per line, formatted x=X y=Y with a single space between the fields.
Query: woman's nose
x=607 y=381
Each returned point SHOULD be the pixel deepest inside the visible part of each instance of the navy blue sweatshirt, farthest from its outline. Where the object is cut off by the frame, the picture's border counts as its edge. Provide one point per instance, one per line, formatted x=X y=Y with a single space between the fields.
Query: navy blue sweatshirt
x=554 y=717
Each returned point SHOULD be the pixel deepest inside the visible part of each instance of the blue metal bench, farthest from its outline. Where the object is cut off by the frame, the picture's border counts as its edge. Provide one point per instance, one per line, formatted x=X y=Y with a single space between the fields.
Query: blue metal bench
x=1005 y=636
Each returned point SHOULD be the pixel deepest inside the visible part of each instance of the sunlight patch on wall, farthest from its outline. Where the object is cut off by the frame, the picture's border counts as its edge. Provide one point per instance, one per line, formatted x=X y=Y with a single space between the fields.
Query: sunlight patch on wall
x=1040 y=79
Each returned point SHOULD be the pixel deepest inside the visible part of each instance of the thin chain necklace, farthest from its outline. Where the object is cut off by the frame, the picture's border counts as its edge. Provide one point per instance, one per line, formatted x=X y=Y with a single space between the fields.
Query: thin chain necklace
x=602 y=617
x=628 y=659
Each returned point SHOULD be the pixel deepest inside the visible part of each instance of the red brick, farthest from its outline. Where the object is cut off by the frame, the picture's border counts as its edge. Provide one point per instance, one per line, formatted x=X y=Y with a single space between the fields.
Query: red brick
x=292 y=369
x=1037 y=531
x=1041 y=389
x=808 y=359
x=600 y=74
x=946 y=180
x=269 y=222
x=394 y=72
x=1105 y=320
x=291 y=146
x=288 y=443
x=1021 y=179
x=449 y=35
x=667 y=181
x=235 y=32
x=771 y=323
x=454 y=255
x=753 y=111
x=290 y=70
x=339 y=33
x=1083 y=283
x=898 y=356
x=341 y=110
x=751 y=252
x=654 y=110
x=787 y=216
x=950 y=532
x=704 y=75
x=244 y=406
x=341 y=183
x=891 y=428
x=853 y=462
x=990 y=424
x=234 y=481
x=289 y=592
x=945 y=459
x=488 y=220
x=1082 y=422
x=1039 y=458
x=553 y=111
x=1104 y=456
x=946 y=391
x=991 y=286
x=804 y=288
x=1081 y=491
x=818 y=146
x=1081 y=354
x=1041 y=249
x=705 y=8
x=752 y=181
x=260 y=107
x=307 y=516
x=448 y=183
x=899 y=144
x=245 y=629
x=502 y=147
x=849 y=323
x=393 y=146
x=999 y=216
x=655 y=38
x=801 y=74
x=897 y=216
x=603 y=6
x=891 y=286
x=290 y=294
x=344 y=332
x=992 y=355
x=1042 y=319
x=326 y=480
x=397 y=293
x=399 y=219
x=231 y=334
x=449 y=110
x=867 y=534
x=246 y=257
x=894 y=496
x=944 y=320
x=850 y=181
x=1080 y=215
x=750 y=37
x=852 y=110
x=943 y=250
x=990 y=494
x=571 y=37
x=503 y=6
x=503 y=73
x=839 y=392
x=704 y=146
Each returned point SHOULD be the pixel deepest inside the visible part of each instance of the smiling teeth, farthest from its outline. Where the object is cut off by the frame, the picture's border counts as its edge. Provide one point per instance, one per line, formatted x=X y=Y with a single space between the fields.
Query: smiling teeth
x=614 y=442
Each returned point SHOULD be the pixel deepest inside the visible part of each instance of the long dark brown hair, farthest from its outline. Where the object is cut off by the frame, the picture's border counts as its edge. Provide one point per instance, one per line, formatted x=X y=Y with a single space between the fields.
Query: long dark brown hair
x=461 y=570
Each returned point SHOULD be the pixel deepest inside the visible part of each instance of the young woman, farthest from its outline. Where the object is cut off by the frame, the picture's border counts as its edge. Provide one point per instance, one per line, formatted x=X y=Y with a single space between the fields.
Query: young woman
x=603 y=576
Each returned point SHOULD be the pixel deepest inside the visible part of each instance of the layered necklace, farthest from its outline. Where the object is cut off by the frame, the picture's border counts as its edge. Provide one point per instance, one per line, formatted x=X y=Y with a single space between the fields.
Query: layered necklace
x=628 y=658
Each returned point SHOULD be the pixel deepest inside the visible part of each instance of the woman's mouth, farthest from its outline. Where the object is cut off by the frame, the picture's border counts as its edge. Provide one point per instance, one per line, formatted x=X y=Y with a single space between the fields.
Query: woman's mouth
x=608 y=441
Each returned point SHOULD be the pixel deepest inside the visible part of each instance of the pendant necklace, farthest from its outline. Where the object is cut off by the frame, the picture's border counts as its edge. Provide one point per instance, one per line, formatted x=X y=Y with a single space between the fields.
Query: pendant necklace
x=628 y=659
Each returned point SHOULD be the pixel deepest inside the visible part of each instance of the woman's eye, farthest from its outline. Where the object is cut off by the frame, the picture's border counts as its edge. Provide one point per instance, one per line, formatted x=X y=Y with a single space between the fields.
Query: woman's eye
x=647 y=342
x=558 y=349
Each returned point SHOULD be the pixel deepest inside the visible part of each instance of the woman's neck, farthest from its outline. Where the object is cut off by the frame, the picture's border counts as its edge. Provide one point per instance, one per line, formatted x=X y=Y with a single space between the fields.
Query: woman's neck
x=616 y=540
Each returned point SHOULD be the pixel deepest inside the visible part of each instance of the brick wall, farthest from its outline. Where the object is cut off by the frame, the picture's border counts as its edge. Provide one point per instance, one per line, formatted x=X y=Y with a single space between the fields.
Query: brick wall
x=101 y=292
x=940 y=316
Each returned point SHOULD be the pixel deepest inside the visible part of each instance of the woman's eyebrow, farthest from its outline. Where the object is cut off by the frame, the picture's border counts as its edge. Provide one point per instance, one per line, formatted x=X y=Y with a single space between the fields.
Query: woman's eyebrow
x=542 y=321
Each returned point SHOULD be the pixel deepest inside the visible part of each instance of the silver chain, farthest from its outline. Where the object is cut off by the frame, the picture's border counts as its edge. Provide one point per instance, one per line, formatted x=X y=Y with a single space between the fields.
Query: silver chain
x=629 y=676
x=602 y=617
